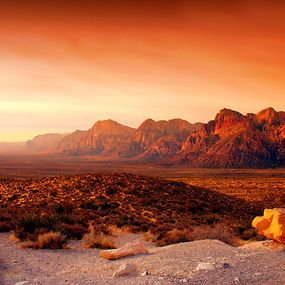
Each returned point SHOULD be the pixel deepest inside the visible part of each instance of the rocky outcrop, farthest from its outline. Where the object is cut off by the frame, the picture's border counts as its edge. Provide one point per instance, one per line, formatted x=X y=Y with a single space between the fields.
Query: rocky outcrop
x=151 y=135
x=161 y=150
x=104 y=138
x=234 y=140
x=72 y=144
x=271 y=224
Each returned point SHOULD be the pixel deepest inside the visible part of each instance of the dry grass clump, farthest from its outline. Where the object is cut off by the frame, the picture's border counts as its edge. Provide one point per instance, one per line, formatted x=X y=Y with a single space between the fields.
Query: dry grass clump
x=5 y=226
x=217 y=231
x=75 y=231
x=30 y=226
x=150 y=236
x=173 y=236
x=98 y=239
x=51 y=240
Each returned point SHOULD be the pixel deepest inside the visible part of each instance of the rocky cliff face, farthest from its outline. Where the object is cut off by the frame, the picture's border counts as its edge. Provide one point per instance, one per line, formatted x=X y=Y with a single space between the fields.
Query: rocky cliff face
x=230 y=140
x=72 y=144
x=159 y=139
x=105 y=137
x=234 y=140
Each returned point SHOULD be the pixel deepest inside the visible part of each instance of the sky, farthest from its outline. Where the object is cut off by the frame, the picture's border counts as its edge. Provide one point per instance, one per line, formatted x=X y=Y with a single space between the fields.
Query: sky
x=66 y=64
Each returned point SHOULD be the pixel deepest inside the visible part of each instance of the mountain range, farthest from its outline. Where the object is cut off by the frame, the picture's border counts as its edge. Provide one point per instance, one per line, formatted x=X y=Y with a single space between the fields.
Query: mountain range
x=230 y=140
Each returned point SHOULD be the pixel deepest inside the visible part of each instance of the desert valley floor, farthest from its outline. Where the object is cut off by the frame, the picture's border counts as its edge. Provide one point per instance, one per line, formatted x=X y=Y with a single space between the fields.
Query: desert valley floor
x=144 y=199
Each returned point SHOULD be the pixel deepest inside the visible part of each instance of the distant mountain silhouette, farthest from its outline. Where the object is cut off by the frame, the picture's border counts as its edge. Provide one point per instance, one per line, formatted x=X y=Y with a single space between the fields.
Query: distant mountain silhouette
x=44 y=143
x=230 y=140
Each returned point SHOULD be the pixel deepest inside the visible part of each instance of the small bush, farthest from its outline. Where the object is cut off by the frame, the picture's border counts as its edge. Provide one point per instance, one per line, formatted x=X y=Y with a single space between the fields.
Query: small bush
x=30 y=226
x=173 y=236
x=150 y=236
x=89 y=204
x=75 y=231
x=26 y=227
x=50 y=240
x=5 y=226
x=217 y=231
x=95 y=239
x=63 y=208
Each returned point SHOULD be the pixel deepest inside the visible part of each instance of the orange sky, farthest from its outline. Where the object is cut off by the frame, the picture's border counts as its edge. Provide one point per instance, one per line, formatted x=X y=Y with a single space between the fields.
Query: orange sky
x=66 y=65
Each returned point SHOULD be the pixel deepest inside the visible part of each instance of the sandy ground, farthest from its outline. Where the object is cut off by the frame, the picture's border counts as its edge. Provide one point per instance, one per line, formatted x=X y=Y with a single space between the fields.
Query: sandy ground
x=255 y=263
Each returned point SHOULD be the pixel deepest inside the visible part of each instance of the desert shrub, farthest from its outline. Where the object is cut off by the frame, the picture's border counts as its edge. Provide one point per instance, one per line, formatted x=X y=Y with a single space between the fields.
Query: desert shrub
x=50 y=240
x=177 y=235
x=150 y=236
x=75 y=231
x=30 y=226
x=51 y=223
x=110 y=191
x=217 y=231
x=26 y=226
x=98 y=239
x=5 y=226
x=172 y=236
x=89 y=204
x=250 y=234
x=63 y=208
x=71 y=219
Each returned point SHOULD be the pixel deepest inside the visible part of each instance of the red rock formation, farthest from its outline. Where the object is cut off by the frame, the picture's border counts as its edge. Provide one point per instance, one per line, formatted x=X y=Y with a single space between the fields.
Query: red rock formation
x=150 y=132
x=230 y=140
x=105 y=137
x=234 y=140
x=72 y=144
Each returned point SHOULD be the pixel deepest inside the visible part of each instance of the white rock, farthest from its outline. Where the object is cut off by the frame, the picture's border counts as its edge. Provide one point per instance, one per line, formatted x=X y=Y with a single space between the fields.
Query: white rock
x=145 y=273
x=205 y=266
x=125 y=269
x=236 y=279
x=22 y=282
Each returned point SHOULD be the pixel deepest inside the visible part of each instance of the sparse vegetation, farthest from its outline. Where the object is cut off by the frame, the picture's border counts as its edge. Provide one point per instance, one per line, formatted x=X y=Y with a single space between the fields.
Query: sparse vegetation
x=98 y=239
x=166 y=211
x=50 y=240
x=217 y=231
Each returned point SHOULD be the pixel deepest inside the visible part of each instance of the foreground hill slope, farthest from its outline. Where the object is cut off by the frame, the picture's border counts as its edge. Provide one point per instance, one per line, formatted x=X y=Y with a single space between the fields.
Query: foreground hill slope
x=140 y=202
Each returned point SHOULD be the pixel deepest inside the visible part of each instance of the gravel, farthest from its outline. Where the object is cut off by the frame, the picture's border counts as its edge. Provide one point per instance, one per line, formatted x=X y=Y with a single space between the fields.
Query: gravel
x=258 y=263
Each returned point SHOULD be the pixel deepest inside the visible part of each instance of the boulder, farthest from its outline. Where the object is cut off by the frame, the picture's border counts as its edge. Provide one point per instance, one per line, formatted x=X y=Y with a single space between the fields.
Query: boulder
x=132 y=248
x=125 y=269
x=271 y=224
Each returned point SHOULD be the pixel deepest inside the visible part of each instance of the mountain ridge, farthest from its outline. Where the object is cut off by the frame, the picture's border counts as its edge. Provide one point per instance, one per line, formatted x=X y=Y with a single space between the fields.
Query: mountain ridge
x=230 y=140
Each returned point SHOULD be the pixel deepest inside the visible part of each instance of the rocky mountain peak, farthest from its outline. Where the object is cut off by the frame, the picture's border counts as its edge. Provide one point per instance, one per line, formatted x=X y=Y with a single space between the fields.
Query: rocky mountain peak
x=227 y=118
x=268 y=116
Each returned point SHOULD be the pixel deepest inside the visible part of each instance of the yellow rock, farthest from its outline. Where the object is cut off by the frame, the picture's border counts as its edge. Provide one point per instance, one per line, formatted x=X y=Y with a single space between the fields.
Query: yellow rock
x=271 y=224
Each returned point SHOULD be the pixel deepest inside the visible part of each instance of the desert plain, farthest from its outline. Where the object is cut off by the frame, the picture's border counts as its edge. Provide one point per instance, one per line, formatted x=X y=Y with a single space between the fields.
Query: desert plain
x=184 y=216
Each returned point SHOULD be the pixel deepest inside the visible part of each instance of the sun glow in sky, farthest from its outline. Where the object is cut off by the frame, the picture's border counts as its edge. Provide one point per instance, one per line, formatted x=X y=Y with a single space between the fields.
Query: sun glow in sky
x=66 y=64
